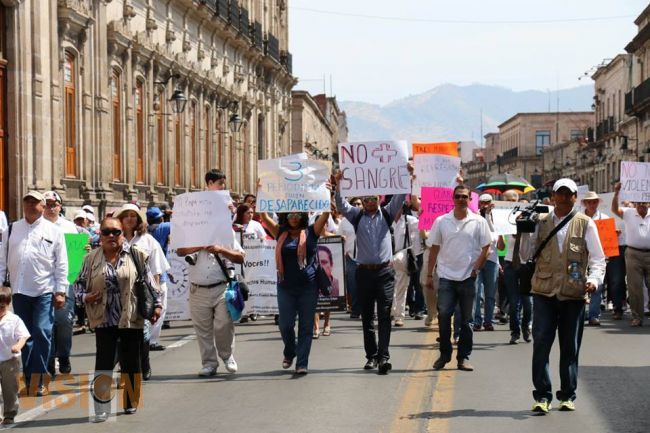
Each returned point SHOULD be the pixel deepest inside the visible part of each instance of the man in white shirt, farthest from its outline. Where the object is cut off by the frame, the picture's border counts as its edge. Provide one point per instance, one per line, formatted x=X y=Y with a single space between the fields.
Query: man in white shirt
x=460 y=243
x=35 y=258
x=215 y=330
x=637 y=253
x=402 y=276
x=346 y=230
x=486 y=282
x=571 y=265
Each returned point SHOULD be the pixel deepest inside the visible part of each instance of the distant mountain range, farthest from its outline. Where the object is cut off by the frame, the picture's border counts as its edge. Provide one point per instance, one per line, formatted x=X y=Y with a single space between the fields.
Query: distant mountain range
x=451 y=112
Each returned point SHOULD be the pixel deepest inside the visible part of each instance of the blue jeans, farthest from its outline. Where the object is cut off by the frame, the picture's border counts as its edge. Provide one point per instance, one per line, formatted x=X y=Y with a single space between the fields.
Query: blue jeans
x=451 y=293
x=615 y=278
x=351 y=284
x=62 y=330
x=300 y=301
x=38 y=314
x=567 y=319
x=594 y=303
x=376 y=287
x=517 y=302
x=486 y=286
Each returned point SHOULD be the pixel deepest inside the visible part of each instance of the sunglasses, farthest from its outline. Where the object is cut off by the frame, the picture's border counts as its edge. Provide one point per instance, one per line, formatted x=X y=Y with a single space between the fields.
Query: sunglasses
x=357 y=203
x=52 y=205
x=370 y=199
x=461 y=196
x=108 y=232
x=293 y=215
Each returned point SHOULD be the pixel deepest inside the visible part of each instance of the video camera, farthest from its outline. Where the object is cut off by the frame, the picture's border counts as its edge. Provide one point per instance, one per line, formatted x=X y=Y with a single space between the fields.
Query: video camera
x=529 y=216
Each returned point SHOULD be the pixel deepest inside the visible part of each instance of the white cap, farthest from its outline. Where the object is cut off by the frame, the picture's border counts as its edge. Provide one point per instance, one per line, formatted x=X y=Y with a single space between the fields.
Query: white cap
x=90 y=217
x=88 y=208
x=485 y=197
x=80 y=214
x=567 y=183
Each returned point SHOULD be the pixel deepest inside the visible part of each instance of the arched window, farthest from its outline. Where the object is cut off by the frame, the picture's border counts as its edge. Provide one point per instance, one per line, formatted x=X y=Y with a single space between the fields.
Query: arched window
x=70 y=115
x=261 y=138
x=160 y=144
x=220 y=142
x=207 y=142
x=139 y=131
x=116 y=90
x=193 y=144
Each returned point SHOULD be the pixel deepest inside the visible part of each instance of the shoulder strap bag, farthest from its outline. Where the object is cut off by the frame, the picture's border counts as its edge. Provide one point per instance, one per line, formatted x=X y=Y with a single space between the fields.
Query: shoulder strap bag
x=145 y=293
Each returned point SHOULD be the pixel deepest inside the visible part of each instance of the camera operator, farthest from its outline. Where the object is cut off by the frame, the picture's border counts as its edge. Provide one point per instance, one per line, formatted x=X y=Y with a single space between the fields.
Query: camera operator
x=569 y=266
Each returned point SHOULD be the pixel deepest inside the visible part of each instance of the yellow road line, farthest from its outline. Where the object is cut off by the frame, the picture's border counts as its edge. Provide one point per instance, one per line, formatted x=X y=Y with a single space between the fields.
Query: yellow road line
x=442 y=402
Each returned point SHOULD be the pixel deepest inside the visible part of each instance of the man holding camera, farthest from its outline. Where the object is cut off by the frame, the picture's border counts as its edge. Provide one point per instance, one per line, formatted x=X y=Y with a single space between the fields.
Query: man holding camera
x=570 y=263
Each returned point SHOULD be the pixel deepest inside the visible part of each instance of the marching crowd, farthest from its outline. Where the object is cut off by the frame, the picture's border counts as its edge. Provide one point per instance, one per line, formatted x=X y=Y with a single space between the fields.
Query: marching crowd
x=546 y=281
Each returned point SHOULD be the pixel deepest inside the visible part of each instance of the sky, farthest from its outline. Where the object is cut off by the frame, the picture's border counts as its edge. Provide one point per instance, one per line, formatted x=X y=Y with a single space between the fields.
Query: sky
x=378 y=50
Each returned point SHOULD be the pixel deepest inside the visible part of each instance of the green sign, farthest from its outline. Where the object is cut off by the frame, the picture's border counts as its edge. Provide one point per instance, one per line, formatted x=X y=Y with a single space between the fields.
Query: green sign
x=76 y=245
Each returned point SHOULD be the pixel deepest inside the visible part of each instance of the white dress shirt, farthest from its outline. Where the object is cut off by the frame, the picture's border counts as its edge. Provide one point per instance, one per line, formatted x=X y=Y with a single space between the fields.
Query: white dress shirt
x=37 y=258
x=399 y=232
x=12 y=329
x=346 y=229
x=207 y=271
x=637 y=229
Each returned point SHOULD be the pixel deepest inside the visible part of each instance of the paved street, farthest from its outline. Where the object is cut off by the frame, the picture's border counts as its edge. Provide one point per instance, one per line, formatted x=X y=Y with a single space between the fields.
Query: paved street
x=338 y=396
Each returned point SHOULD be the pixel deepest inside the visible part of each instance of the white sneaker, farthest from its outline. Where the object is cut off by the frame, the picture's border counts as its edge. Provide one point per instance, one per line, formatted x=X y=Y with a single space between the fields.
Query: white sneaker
x=207 y=371
x=231 y=364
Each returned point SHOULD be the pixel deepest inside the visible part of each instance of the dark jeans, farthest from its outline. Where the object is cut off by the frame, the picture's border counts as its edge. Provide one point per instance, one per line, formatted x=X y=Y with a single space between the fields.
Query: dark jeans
x=517 y=302
x=615 y=279
x=129 y=343
x=38 y=314
x=299 y=301
x=376 y=287
x=414 y=297
x=351 y=284
x=62 y=332
x=567 y=318
x=450 y=294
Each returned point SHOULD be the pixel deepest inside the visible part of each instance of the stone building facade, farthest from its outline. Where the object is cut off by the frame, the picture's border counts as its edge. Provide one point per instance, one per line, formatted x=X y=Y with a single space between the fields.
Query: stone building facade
x=86 y=109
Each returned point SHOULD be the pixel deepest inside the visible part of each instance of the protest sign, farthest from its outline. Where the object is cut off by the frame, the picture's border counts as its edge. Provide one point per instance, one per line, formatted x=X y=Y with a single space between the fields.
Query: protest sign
x=178 y=288
x=582 y=190
x=605 y=207
x=75 y=245
x=608 y=236
x=330 y=255
x=374 y=168
x=293 y=183
x=260 y=274
x=449 y=148
x=503 y=217
x=435 y=170
x=438 y=201
x=635 y=181
x=201 y=219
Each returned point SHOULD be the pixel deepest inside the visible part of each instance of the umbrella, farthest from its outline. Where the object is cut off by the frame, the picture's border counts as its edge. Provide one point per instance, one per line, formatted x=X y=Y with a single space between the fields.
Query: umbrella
x=506 y=181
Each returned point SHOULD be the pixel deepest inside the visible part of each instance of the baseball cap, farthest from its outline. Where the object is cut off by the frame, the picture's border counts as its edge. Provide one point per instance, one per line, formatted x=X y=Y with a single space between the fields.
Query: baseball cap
x=52 y=195
x=153 y=213
x=485 y=197
x=88 y=208
x=567 y=183
x=90 y=217
x=80 y=214
x=34 y=194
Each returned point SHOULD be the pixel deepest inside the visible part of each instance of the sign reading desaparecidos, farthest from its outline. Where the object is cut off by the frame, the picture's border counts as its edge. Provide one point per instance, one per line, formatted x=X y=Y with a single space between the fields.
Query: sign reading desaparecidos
x=293 y=183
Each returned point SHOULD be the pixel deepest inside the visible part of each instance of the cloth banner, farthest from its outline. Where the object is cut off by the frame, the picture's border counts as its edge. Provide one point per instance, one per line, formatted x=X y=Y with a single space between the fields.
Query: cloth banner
x=436 y=164
x=635 y=181
x=504 y=215
x=608 y=236
x=201 y=219
x=178 y=288
x=293 y=183
x=75 y=245
x=332 y=260
x=261 y=275
x=437 y=202
x=374 y=168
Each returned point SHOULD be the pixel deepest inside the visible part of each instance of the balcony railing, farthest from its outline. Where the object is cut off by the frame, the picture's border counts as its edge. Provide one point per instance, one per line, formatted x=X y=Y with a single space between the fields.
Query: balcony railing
x=606 y=127
x=222 y=9
x=256 y=35
x=272 y=47
x=233 y=15
x=638 y=100
x=244 y=23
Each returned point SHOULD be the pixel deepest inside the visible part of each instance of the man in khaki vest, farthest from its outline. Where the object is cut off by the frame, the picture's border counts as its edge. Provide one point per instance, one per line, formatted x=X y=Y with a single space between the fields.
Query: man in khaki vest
x=571 y=265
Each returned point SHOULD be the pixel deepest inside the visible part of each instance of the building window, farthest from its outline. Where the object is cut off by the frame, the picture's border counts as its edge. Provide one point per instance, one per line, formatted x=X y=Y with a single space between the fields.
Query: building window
x=261 y=135
x=160 y=145
x=70 y=115
x=231 y=168
x=177 y=153
x=208 y=137
x=542 y=140
x=220 y=142
x=245 y=160
x=139 y=131
x=195 y=153
x=117 y=125
x=577 y=134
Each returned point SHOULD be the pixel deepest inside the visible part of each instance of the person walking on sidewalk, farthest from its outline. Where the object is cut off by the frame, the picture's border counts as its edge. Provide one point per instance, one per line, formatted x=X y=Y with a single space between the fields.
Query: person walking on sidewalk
x=460 y=243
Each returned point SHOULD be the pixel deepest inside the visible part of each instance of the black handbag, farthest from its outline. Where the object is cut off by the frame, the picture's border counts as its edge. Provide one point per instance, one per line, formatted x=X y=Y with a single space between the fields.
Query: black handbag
x=411 y=261
x=6 y=282
x=144 y=292
x=527 y=270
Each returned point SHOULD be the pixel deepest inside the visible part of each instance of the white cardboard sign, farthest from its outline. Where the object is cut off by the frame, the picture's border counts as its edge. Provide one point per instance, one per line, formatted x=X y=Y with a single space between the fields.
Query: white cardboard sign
x=435 y=170
x=635 y=181
x=201 y=219
x=504 y=217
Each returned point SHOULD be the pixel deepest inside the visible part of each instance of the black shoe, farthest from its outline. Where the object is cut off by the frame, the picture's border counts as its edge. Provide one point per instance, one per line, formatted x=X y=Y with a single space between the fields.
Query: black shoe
x=384 y=367
x=418 y=316
x=166 y=325
x=156 y=347
x=244 y=319
x=355 y=315
x=370 y=365
x=527 y=336
x=130 y=410
x=147 y=374
x=514 y=339
x=64 y=366
x=440 y=363
x=276 y=319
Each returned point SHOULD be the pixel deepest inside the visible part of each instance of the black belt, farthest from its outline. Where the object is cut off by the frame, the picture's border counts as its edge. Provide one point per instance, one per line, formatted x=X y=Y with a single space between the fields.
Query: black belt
x=641 y=250
x=373 y=266
x=209 y=286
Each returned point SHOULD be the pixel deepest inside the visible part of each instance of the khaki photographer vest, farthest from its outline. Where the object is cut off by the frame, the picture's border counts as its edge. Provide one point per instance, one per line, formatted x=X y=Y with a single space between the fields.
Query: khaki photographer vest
x=551 y=276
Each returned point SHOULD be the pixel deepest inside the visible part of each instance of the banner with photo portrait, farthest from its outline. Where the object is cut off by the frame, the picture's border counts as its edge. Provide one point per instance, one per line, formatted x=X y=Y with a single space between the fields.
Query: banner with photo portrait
x=332 y=260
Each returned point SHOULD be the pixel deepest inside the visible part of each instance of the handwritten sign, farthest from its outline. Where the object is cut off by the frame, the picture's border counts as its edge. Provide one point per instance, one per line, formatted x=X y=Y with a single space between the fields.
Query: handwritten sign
x=449 y=148
x=608 y=236
x=374 y=168
x=293 y=183
x=75 y=245
x=261 y=276
x=635 y=181
x=503 y=216
x=437 y=202
x=201 y=219
x=435 y=170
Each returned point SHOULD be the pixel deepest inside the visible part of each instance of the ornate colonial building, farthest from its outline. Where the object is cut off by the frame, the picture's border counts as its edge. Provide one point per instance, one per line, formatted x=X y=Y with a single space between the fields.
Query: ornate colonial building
x=112 y=100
